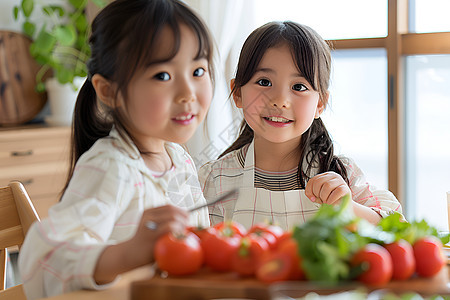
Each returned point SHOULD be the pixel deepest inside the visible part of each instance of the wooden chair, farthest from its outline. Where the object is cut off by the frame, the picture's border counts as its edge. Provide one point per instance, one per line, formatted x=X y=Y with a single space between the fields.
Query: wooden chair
x=17 y=213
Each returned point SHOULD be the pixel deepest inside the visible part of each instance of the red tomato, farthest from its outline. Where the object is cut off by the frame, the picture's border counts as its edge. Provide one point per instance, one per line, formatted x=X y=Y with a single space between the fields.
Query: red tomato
x=231 y=228
x=276 y=230
x=403 y=260
x=274 y=267
x=179 y=255
x=198 y=231
x=269 y=232
x=378 y=262
x=252 y=249
x=285 y=236
x=290 y=247
x=429 y=256
x=219 y=248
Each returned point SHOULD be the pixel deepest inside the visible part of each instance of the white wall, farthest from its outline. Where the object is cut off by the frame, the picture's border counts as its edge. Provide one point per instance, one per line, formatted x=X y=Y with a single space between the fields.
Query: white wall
x=7 y=21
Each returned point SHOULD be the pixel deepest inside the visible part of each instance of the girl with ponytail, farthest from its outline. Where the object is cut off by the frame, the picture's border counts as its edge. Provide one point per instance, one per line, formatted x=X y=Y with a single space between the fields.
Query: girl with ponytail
x=283 y=161
x=149 y=87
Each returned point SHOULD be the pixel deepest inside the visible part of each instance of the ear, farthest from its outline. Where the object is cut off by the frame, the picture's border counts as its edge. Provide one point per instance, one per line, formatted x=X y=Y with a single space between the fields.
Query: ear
x=236 y=95
x=321 y=105
x=104 y=89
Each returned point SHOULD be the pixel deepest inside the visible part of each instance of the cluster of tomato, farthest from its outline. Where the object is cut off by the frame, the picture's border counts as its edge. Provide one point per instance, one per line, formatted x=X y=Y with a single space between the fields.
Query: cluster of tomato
x=271 y=254
x=264 y=251
x=400 y=260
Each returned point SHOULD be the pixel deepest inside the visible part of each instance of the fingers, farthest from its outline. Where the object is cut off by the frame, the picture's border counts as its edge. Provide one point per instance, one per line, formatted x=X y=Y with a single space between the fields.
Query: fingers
x=328 y=187
x=154 y=223
x=166 y=213
x=165 y=219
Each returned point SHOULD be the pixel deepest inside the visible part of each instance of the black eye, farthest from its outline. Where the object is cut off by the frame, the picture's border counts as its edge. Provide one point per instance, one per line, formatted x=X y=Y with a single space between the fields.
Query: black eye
x=199 y=72
x=163 y=76
x=299 y=87
x=264 y=82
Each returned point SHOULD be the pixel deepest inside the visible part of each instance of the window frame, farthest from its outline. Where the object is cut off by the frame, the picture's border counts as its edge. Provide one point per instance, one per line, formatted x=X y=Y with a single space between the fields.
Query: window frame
x=398 y=44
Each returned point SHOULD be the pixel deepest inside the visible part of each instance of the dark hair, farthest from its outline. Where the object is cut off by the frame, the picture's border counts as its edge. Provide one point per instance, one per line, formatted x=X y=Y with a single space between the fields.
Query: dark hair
x=124 y=39
x=313 y=59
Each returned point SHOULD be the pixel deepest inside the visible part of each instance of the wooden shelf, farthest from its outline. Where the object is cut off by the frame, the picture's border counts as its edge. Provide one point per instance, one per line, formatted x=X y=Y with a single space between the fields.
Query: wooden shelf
x=37 y=156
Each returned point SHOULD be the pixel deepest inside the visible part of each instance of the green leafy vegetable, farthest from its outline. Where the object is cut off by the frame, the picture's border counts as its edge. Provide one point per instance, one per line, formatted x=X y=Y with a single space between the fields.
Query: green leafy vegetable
x=326 y=244
x=328 y=241
x=410 y=232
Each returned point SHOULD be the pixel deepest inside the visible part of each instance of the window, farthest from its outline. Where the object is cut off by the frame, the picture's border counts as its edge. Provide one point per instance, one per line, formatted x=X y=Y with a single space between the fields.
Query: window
x=390 y=89
x=330 y=18
x=428 y=137
x=357 y=115
x=402 y=79
x=430 y=16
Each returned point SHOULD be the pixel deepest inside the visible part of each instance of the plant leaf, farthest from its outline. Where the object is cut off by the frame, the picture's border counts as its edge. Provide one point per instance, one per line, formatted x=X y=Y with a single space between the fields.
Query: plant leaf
x=81 y=23
x=64 y=76
x=66 y=35
x=44 y=42
x=78 y=4
x=29 y=28
x=50 y=10
x=410 y=232
x=326 y=245
x=27 y=7
x=40 y=87
x=16 y=12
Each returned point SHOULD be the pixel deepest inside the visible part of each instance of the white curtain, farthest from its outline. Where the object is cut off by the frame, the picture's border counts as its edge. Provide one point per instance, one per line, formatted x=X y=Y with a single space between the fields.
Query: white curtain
x=230 y=23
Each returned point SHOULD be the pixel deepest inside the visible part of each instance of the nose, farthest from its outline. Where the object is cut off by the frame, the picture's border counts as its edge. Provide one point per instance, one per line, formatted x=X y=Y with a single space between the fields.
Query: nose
x=186 y=93
x=279 y=99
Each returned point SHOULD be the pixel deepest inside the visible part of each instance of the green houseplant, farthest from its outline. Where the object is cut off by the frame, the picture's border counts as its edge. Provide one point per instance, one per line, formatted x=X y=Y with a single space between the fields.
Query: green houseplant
x=59 y=39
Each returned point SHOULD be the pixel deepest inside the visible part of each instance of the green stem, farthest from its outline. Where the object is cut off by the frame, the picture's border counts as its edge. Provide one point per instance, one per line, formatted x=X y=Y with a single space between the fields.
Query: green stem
x=78 y=11
x=71 y=51
x=41 y=73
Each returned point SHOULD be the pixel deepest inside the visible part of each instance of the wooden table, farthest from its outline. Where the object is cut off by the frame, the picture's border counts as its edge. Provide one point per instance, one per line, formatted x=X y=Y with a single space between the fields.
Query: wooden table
x=138 y=284
x=120 y=291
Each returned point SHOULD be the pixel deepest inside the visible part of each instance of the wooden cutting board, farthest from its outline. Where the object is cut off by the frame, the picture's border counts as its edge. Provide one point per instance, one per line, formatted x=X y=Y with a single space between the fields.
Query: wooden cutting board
x=19 y=101
x=211 y=285
x=200 y=286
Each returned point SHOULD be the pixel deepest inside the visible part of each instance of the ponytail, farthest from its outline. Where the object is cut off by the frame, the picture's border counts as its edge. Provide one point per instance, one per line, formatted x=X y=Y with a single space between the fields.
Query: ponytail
x=245 y=137
x=317 y=151
x=88 y=125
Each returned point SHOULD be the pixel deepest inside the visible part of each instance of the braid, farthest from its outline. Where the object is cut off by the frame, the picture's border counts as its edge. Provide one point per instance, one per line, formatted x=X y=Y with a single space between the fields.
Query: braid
x=245 y=137
x=317 y=151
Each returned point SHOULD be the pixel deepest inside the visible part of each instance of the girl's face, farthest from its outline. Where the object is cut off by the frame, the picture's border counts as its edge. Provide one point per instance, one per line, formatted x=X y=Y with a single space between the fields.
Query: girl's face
x=168 y=100
x=278 y=102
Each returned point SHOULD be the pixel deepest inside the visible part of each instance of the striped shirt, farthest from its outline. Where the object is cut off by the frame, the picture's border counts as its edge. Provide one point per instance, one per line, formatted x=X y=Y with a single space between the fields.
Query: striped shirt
x=273 y=181
x=110 y=189
x=225 y=174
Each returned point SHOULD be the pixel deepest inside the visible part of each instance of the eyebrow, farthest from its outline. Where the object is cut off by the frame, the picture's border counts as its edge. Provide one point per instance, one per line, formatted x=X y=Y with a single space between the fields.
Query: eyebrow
x=269 y=70
x=157 y=62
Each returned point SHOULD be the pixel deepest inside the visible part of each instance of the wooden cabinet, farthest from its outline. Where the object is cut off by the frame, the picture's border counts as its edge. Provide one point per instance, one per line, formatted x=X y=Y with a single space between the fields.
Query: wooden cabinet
x=39 y=158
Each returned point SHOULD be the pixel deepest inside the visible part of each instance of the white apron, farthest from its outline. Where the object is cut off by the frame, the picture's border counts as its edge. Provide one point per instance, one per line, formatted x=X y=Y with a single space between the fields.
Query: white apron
x=256 y=205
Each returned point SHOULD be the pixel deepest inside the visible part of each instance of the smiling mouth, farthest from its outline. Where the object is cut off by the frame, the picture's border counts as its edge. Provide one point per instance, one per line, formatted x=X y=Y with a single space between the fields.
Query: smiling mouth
x=184 y=118
x=278 y=119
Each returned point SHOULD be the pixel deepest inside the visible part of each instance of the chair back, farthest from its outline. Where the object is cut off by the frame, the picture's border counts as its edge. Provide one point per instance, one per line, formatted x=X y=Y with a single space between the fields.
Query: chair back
x=17 y=214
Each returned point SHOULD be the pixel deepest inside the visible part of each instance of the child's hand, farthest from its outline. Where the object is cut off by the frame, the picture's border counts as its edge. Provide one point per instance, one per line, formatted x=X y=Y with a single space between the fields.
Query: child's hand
x=167 y=218
x=138 y=251
x=327 y=187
